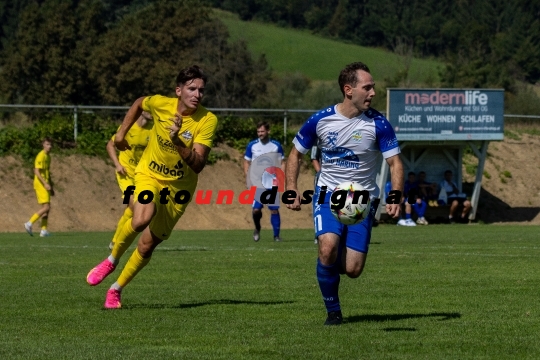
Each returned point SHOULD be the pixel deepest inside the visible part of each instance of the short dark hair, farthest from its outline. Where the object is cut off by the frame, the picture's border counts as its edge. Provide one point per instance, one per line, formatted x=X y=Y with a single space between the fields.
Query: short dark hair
x=263 y=123
x=48 y=139
x=411 y=173
x=190 y=73
x=347 y=76
x=448 y=172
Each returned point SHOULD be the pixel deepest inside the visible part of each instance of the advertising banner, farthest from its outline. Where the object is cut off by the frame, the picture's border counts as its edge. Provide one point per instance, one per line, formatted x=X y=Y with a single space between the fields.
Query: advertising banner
x=446 y=114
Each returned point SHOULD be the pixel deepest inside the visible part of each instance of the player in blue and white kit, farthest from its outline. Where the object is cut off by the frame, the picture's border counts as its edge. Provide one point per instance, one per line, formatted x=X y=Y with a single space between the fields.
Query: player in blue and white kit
x=256 y=148
x=350 y=136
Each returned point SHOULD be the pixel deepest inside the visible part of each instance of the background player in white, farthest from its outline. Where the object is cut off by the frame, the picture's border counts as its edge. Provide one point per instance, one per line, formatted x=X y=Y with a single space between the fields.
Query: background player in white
x=256 y=148
x=350 y=136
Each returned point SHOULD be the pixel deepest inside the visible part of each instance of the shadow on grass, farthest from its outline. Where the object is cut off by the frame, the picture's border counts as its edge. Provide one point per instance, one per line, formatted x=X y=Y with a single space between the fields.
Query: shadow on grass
x=397 y=317
x=390 y=329
x=211 y=302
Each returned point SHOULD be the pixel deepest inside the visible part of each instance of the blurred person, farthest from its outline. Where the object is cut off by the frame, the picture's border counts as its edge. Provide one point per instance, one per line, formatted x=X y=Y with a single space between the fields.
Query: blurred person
x=455 y=198
x=351 y=135
x=126 y=162
x=43 y=187
x=166 y=176
x=260 y=146
x=428 y=191
x=411 y=190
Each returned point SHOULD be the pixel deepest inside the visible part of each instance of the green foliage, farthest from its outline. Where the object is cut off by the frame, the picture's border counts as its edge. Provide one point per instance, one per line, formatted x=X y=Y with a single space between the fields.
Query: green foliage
x=216 y=155
x=101 y=52
x=511 y=135
x=484 y=43
x=487 y=175
x=93 y=135
x=144 y=52
x=507 y=174
x=471 y=169
x=235 y=132
x=291 y=51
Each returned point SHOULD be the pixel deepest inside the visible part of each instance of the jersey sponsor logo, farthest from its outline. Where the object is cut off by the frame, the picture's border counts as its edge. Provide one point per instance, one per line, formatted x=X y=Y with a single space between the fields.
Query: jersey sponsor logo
x=187 y=135
x=356 y=136
x=340 y=156
x=163 y=169
x=166 y=145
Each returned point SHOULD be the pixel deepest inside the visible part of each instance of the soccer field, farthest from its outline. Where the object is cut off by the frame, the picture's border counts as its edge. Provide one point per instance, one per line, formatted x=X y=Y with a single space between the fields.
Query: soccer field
x=430 y=292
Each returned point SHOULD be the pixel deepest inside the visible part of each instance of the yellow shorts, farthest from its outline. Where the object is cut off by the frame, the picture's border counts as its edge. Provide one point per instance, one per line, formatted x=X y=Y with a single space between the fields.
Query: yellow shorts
x=43 y=195
x=167 y=215
x=124 y=181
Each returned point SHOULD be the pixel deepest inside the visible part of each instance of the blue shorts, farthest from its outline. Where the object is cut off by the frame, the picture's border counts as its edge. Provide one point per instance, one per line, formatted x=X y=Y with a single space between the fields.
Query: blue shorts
x=258 y=206
x=356 y=237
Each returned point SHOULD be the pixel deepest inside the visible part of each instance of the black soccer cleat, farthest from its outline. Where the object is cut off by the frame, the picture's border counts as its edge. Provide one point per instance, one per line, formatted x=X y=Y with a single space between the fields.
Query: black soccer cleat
x=334 y=318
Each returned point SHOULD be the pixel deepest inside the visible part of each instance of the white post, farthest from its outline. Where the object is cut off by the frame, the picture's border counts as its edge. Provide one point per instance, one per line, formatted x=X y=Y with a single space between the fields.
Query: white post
x=478 y=182
x=75 y=117
x=285 y=127
x=382 y=182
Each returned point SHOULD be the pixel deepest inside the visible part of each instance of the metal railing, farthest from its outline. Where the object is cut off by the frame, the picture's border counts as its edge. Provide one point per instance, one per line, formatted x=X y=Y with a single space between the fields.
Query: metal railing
x=285 y=112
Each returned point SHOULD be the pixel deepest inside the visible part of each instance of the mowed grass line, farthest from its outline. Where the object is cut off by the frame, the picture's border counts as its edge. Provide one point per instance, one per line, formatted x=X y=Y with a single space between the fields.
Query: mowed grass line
x=458 y=292
x=292 y=50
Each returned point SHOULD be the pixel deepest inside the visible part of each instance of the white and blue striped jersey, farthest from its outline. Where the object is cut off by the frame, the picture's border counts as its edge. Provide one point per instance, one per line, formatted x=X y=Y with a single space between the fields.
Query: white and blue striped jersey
x=256 y=148
x=349 y=147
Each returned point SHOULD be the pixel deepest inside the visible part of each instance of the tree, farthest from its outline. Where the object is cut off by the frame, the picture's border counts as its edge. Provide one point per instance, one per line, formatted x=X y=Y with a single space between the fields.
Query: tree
x=46 y=60
x=143 y=53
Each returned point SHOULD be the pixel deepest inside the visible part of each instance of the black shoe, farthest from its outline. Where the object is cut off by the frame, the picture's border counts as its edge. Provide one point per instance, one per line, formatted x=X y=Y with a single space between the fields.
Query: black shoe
x=277 y=239
x=451 y=221
x=334 y=318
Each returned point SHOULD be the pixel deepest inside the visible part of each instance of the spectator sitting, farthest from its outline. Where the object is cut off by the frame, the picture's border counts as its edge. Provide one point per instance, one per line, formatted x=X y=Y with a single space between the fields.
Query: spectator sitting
x=419 y=205
x=454 y=198
x=428 y=191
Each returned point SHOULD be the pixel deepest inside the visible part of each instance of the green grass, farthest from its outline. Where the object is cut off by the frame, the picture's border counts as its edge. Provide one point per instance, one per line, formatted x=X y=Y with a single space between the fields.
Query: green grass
x=461 y=292
x=291 y=50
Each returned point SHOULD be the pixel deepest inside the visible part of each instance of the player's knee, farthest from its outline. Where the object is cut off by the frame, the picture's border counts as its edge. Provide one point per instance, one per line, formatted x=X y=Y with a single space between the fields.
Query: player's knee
x=139 y=223
x=327 y=255
x=274 y=211
x=257 y=211
x=354 y=271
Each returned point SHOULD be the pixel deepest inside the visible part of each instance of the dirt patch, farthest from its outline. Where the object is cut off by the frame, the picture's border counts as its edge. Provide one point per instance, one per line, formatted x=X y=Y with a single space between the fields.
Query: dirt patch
x=88 y=198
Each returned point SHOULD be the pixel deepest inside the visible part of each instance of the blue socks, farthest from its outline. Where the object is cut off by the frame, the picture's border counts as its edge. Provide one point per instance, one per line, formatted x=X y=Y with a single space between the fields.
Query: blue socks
x=328 y=277
x=276 y=223
x=420 y=208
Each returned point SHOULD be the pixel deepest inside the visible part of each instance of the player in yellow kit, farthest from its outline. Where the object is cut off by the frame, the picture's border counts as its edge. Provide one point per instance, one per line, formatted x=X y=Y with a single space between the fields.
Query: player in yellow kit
x=125 y=164
x=43 y=188
x=166 y=177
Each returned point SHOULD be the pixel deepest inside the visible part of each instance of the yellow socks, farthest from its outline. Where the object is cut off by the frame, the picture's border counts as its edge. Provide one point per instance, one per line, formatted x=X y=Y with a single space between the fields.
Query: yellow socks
x=33 y=219
x=44 y=223
x=125 y=238
x=127 y=215
x=135 y=263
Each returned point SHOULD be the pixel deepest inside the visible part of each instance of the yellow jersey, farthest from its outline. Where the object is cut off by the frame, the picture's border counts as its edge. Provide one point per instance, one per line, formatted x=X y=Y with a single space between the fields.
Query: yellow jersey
x=137 y=138
x=161 y=159
x=43 y=163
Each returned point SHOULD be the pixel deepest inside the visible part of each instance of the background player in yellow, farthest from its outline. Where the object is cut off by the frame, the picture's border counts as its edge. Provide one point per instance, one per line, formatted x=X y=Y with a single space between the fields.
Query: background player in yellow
x=43 y=187
x=125 y=164
x=166 y=177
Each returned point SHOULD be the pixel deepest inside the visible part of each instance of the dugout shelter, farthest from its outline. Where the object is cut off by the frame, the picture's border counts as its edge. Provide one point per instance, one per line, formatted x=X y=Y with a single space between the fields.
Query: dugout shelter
x=435 y=126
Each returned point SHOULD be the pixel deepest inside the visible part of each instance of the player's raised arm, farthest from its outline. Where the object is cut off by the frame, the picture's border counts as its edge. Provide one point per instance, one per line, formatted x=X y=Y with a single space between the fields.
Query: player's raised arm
x=397 y=176
x=196 y=158
x=292 y=171
x=131 y=117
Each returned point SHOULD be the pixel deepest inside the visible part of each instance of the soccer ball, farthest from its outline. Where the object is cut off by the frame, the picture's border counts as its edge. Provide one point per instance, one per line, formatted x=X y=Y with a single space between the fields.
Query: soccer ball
x=351 y=212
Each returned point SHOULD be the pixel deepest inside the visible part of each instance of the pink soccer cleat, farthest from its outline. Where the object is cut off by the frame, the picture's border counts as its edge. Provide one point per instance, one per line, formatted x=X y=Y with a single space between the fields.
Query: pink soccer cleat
x=112 y=301
x=100 y=272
